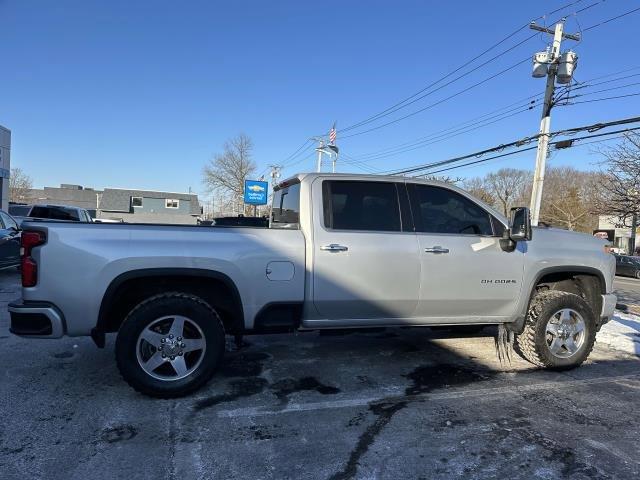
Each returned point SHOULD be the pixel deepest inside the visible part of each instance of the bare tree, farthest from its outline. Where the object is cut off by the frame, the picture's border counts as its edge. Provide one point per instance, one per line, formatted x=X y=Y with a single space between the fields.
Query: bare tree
x=444 y=178
x=620 y=194
x=568 y=199
x=507 y=186
x=19 y=185
x=477 y=187
x=225 y=174
x=620 y=184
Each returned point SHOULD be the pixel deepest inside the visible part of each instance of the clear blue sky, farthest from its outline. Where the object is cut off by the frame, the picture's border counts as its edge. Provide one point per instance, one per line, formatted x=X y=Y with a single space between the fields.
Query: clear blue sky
x=142 y=94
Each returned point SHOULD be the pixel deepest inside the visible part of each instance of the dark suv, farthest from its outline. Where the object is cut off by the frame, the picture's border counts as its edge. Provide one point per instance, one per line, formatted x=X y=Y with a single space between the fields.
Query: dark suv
x=628 y=266
x=9 y=241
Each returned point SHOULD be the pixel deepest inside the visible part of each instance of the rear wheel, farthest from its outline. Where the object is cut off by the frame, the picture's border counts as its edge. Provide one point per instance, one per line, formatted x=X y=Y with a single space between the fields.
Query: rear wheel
x=559 y=332
x=170 y=345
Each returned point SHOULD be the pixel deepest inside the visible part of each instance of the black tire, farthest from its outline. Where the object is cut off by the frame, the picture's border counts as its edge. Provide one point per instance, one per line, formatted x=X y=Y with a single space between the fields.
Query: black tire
x=532 y=344
x=637 y=275
x=145 y=314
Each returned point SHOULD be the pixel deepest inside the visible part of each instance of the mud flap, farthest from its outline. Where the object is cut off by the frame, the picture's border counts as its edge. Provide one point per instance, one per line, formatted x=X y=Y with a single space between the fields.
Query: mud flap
x=504 y=344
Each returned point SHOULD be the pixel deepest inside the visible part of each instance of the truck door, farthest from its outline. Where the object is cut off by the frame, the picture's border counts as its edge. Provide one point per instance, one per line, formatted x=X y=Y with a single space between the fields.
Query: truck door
x=365 y=253
x=466 y=276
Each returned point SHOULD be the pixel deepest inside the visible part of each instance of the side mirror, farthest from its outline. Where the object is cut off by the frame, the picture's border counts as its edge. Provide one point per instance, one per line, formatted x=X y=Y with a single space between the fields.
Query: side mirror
x=520 y=224
x=519 y=229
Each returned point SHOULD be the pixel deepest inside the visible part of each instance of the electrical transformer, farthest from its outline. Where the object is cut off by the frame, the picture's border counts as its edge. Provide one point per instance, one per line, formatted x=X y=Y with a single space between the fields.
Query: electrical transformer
x=540 y=65
x=566 y=66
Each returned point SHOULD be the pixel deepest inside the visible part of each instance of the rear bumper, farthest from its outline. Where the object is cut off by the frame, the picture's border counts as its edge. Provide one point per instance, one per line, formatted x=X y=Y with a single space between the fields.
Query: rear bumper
x=36 y=320
x=608 y=306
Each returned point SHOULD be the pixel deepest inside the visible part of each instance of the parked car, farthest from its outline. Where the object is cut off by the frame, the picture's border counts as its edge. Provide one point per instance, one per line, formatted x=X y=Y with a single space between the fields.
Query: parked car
x=9 y=241
x=50 y=212
x=628 y=266
x=341 y=251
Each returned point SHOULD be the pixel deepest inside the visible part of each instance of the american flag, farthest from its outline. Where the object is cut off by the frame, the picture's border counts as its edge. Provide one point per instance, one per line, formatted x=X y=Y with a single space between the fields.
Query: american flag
x=332 y=135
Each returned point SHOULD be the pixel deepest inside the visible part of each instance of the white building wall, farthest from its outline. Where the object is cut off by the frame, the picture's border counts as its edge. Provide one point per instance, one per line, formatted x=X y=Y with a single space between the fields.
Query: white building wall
x=621 y=236
x=5 y=166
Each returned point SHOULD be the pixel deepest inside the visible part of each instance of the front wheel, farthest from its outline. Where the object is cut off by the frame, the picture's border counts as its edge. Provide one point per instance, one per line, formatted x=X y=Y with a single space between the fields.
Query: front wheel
x=559 y=332
x=170 y=345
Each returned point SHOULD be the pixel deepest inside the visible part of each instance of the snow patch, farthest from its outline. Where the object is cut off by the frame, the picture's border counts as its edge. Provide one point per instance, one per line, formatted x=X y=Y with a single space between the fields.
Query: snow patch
x=622 y=333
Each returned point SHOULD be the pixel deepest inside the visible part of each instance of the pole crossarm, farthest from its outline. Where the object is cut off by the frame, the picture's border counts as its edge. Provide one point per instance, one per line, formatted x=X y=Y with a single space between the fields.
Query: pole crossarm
x=550 y=31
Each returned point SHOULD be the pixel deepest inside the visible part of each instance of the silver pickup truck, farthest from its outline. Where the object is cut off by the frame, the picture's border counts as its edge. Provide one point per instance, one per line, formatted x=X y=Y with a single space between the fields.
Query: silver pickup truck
x=342 y=251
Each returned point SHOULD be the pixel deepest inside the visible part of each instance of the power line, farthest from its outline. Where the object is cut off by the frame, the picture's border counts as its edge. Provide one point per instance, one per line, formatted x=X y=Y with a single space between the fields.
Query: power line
x=481 y=160
x=481 y=121
x=403 y=103
x=588 y=7
x=617 y=87
x=412 y=98
x=303 y=159
x=297 y=152
x=356 y=163
x=509 y=108
x=532 y=148
x=605 y=98
x=518 y=143
x=611 y=19
x=406 y=102
x=440 y=101
x=454 y=133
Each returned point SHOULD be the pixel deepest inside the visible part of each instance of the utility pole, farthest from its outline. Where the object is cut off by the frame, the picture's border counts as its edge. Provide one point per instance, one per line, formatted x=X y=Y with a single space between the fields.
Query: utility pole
x=632 y=239
x=275 y=173
x=552 y=60
x=320 y=150
x=330 y=150
x=334 y=157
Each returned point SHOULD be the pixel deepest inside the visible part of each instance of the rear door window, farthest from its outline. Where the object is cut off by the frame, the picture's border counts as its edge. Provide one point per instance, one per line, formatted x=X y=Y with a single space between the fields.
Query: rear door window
x=353 y=205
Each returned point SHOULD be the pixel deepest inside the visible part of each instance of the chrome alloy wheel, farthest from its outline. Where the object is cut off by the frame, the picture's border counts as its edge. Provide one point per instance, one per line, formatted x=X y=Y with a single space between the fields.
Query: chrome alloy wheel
x=565 y=333
x=170 y=348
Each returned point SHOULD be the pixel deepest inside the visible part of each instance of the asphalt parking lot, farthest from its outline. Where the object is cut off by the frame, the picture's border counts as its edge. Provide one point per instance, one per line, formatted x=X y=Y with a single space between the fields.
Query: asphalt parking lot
x=628 y=291
x=389 y=404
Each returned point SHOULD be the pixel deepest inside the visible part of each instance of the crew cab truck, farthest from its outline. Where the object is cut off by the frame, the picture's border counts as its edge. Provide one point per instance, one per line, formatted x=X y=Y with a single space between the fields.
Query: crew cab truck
x=341 y=251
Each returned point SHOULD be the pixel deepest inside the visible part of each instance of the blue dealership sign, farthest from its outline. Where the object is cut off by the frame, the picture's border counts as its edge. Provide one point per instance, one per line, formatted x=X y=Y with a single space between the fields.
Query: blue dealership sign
x=255 y=192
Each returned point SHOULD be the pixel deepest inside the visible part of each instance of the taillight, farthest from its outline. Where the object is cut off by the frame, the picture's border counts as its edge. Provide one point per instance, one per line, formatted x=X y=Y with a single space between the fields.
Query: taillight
x=29 y=267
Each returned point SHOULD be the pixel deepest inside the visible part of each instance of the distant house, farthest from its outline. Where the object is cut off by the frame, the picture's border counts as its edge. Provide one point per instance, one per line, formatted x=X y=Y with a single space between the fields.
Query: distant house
x=130 y=205
x=147 y=206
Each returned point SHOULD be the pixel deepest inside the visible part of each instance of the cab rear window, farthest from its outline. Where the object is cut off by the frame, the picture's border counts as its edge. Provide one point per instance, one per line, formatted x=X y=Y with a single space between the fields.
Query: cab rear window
x=285 y=211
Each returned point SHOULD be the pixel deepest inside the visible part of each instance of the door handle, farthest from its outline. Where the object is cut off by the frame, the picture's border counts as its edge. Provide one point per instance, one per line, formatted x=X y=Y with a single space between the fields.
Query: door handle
x=436 y=249
x=334 y=247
